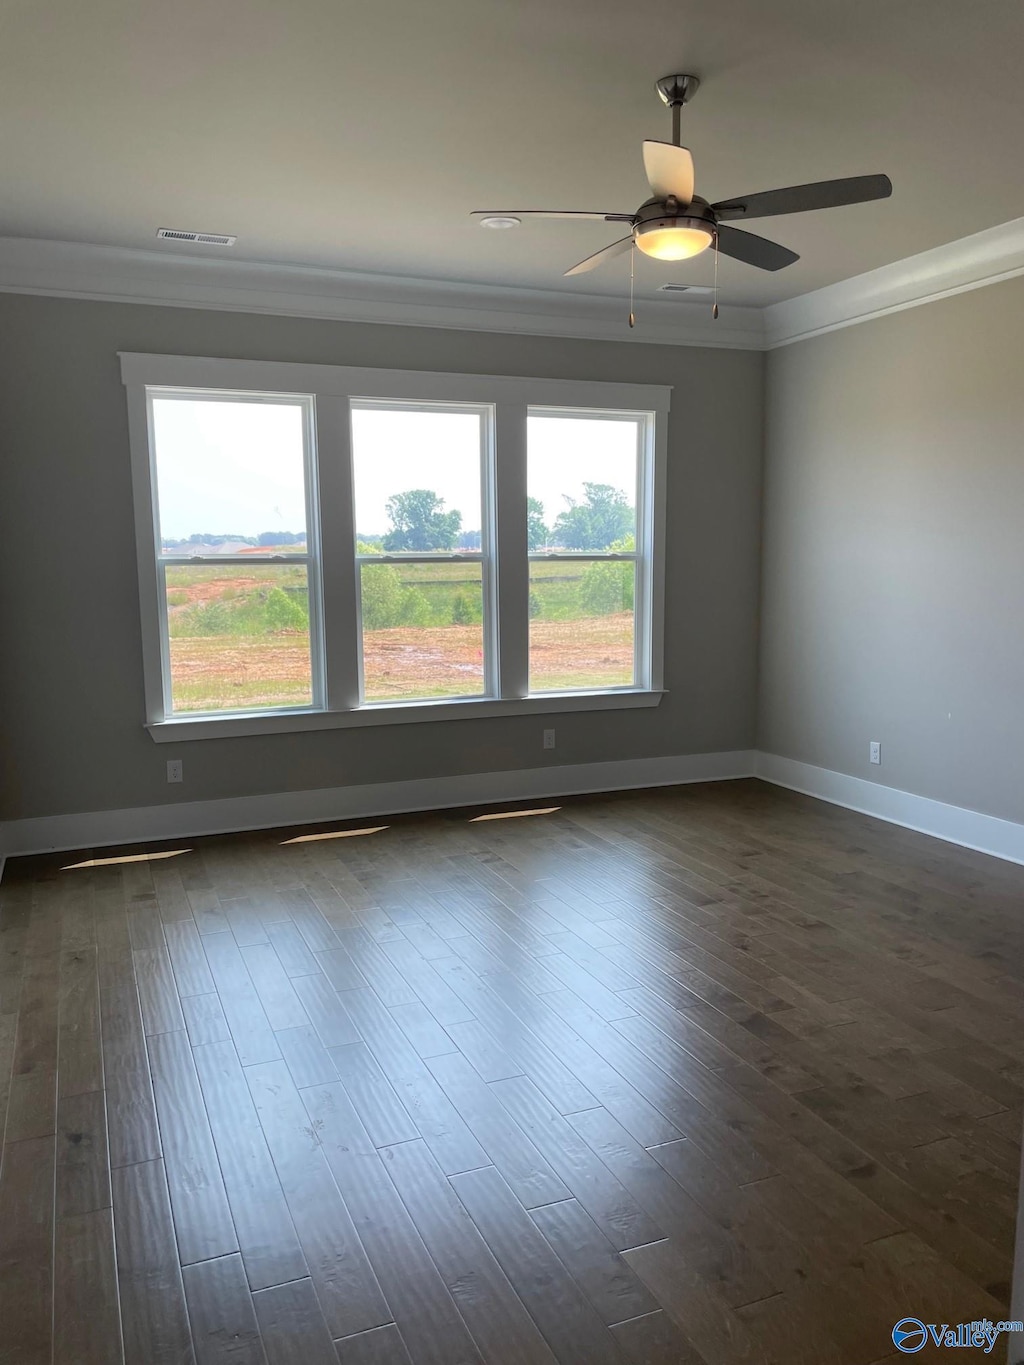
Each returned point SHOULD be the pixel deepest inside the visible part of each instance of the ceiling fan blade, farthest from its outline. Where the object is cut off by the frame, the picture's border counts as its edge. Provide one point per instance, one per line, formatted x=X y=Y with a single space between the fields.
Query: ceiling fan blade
x=670 y=171
x=754 y=250
x=599 y=257
x=553 y=213
x=825 y=194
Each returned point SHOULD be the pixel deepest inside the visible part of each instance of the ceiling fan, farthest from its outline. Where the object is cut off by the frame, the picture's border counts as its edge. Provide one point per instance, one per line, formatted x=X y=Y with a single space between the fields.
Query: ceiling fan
x=675 y=223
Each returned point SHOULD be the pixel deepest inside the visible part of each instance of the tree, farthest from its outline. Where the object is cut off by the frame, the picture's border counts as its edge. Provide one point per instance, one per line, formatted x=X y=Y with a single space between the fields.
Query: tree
x=536 y=531
x=382 y=596
x=607 y=586
x=594 y=524
x=415 y=609
x=419 y=522
x=210 y=538
x=282 y=612
x=272 y=538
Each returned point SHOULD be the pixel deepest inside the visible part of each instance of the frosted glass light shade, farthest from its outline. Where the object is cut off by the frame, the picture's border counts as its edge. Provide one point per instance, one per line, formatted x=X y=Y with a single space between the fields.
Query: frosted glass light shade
x=676 y=242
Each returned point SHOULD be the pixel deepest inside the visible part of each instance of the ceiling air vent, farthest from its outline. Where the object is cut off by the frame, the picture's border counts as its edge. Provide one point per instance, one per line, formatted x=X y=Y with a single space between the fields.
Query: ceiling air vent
x=203 y=238
x=684 y=289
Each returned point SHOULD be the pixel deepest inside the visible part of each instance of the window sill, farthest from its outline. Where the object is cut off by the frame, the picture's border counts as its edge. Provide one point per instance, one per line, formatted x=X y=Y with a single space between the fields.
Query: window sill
x=288 y=722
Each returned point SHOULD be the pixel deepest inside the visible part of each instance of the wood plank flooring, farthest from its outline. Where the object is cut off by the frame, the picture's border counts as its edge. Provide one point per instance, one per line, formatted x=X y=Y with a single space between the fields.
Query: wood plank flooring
x=716 y=1075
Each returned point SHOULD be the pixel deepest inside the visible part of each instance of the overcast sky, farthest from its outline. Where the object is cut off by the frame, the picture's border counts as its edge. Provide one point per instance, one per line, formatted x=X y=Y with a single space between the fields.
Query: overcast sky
x=236 y=467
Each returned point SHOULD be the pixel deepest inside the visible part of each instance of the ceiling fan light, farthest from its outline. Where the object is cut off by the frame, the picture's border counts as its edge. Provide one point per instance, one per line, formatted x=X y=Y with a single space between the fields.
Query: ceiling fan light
x=500 y=221
x=667 y=241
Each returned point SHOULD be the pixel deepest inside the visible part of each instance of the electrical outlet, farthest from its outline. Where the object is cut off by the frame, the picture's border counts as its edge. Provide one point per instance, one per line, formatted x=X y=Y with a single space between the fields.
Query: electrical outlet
x=876 y=751
x=174 y=770
x=549 y=739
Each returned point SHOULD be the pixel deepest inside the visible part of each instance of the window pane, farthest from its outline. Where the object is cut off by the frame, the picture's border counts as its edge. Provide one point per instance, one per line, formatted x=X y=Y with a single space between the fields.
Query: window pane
x=581 y=624
x=422 y=631
x=417 y=479
x=239 y=636
x=581 y=481
x=230 y=476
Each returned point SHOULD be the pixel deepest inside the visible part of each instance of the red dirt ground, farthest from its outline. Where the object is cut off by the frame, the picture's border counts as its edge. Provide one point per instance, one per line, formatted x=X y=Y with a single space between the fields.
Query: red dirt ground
x=214 y=673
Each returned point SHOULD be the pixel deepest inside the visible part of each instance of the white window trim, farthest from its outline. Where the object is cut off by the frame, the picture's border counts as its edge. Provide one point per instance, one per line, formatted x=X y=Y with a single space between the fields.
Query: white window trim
x=330 y=496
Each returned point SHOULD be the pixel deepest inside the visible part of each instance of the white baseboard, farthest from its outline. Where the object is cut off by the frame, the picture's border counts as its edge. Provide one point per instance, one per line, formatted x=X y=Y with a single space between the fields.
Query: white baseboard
x=955 y=824
x=191 y=819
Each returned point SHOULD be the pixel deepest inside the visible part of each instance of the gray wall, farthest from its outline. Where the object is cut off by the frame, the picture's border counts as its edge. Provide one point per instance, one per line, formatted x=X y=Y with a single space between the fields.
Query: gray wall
x=70 y=668
x=893 y=569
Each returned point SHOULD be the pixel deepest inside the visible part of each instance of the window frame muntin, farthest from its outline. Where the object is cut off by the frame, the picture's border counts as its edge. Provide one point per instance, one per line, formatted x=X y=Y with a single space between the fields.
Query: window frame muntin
x=332 y=387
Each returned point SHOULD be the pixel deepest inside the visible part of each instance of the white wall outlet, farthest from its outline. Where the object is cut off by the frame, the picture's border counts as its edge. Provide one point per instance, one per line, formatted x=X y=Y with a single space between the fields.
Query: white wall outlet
x=174 y=770
x=549 y=739
x=876 y=751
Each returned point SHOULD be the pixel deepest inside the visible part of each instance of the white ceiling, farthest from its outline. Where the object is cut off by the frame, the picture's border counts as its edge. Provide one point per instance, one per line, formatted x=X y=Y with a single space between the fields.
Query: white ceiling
x=360 y=136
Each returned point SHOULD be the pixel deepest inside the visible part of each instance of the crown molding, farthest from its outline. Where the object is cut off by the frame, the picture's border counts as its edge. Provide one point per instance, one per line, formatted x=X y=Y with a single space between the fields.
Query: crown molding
x=984 y=258
x=125 y=275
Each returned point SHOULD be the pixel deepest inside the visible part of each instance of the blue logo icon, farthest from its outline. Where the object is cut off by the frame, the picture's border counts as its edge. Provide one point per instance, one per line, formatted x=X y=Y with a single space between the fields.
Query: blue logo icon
x=909 y=1335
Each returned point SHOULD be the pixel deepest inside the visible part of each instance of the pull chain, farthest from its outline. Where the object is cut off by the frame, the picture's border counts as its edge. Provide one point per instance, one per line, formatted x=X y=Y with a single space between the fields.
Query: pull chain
x=714 y=310
x=632 y=262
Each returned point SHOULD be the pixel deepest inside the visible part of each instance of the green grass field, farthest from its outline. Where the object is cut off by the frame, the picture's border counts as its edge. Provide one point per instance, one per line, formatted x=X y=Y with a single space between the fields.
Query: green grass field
x=239 y=634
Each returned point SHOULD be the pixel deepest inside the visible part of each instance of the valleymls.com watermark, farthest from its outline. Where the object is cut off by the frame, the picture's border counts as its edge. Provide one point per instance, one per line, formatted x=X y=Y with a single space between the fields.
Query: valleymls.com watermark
x=911 y=1334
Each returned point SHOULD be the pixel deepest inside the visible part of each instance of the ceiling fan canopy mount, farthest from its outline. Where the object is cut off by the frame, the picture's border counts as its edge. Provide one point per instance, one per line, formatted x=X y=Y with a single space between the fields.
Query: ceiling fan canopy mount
x=678 y=89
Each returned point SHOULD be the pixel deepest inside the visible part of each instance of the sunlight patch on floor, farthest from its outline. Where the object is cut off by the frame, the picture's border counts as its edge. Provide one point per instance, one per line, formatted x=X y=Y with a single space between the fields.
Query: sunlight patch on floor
x=128 y=858
x=333 y=834
x=514 y=814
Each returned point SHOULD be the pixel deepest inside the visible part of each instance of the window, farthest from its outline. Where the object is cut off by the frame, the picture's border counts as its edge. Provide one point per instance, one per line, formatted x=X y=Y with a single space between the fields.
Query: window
x=423 y=546
x=231 y=494
x=583 y=492
x=326 y=546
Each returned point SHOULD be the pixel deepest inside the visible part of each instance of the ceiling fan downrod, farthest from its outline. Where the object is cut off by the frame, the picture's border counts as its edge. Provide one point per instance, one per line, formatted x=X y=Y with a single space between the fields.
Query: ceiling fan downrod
x=675 y=91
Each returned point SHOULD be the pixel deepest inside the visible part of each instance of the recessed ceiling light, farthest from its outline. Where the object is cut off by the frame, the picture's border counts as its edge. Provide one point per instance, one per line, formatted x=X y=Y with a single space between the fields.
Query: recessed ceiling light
x=500 y=220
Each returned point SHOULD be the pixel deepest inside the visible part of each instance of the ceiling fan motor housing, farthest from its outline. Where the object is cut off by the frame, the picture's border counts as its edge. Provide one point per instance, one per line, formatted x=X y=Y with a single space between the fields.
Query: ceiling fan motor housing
x=667 y=211
x=671 y=231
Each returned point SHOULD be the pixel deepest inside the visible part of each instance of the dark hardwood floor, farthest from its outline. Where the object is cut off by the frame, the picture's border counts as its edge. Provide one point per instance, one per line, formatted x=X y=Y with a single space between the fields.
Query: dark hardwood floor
x=715 y=1074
